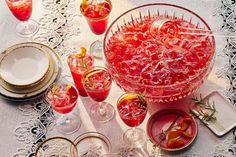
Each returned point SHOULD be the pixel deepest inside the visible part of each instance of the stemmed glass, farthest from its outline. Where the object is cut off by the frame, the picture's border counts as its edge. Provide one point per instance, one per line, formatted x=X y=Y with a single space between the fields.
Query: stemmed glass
x=96 y=13
x=78 y=64
x=22 y=10
x=132 y=109
x=97 y=83
x=62 y=96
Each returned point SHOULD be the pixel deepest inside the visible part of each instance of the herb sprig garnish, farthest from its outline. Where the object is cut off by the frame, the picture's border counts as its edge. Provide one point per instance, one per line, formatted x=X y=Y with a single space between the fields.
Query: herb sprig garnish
x=206 y=110
x=143 y=103
x=54 y=89
x=90 y=84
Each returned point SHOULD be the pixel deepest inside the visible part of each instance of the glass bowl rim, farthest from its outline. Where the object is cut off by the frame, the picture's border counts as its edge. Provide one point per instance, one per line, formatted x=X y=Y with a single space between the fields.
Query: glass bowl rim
x=98 y=18
x=94 y=68
x=136 y=95
x=61 y=81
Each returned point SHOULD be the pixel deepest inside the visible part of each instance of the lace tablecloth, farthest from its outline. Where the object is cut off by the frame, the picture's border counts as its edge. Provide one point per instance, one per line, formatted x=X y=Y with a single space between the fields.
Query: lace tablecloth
x=26 y=124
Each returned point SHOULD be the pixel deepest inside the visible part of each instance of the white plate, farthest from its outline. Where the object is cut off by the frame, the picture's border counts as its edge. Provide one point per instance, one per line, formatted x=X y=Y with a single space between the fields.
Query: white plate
x=24 y=65
x=33 y=87
x=225 y=115
x=24 y=96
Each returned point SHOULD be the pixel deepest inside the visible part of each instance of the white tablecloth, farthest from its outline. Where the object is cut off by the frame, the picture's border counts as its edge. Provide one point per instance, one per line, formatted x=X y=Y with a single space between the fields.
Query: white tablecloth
x=19 y=119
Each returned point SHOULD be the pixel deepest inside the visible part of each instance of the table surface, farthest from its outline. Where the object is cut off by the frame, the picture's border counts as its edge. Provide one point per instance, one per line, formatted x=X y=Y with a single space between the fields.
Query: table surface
x=24 y=124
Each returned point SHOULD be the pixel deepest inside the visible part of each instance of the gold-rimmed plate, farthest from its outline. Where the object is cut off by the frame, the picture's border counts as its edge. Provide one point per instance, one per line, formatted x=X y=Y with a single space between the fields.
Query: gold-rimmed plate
x=32 y=87
x=56 y=73
x=23 y=65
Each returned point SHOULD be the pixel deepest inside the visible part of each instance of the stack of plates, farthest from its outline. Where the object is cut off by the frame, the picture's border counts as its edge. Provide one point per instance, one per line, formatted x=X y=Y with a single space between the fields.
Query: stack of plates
x=27 y=69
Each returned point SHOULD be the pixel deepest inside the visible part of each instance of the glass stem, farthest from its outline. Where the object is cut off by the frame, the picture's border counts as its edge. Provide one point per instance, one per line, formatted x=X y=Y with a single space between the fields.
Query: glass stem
x=67 y=120
x=96 y=49
x=102 y=110
x=99 y=43
x=64 y=119
x=133 y=131
x=26 y=25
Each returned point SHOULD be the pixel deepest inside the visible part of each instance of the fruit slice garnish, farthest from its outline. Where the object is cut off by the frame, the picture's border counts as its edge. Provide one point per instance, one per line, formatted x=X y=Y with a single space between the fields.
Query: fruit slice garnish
x=80 y=57
x=178 y=133
x=173 y=134
x=82 y=53
x=186 y=135
x=68 y=87
x=132 y=96
x=185 y=124
x=90 y=77
x=84 y=5
x=175 y=143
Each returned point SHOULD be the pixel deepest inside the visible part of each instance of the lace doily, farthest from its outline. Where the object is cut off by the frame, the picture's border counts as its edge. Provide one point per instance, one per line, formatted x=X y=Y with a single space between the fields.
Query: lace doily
x=227 y=11
x=57 y=28
x=33 y=131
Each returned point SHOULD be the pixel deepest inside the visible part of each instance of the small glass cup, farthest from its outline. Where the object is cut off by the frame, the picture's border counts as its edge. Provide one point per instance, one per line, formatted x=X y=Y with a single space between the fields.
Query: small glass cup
x=78 y=65
x=22 y=10
x=97 y=83
x=56 y=146
x=92 y=144
x=132 y=109
x=96 y=14
x=62 y=96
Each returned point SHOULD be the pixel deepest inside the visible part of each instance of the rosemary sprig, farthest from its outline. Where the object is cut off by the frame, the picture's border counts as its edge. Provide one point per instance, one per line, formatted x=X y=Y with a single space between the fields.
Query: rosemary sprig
x=90 y=84
x=205 y=109
x=143 y=103
x=54 y=90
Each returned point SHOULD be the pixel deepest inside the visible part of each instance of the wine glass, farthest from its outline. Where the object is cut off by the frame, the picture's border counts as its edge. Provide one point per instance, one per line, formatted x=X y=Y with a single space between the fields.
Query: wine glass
x=22 y=10
x=96 y=13
x=97 y=83
x=78 y=64
x=132 y=109
x=62 y=96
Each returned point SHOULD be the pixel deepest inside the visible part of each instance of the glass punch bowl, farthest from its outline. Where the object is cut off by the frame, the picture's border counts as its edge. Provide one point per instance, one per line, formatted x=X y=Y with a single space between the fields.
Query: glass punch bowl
x=160 y=67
